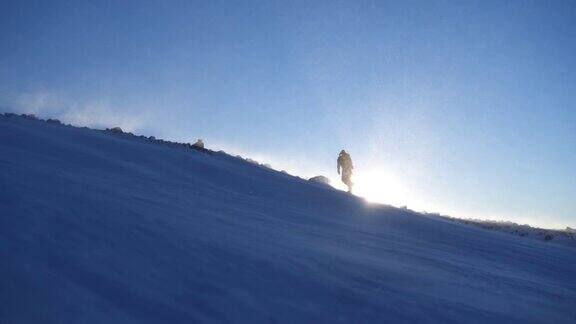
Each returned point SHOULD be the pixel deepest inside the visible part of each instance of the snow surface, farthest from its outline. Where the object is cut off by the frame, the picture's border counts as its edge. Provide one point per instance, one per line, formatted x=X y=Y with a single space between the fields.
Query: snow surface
x=565 y=236
x=98 y=227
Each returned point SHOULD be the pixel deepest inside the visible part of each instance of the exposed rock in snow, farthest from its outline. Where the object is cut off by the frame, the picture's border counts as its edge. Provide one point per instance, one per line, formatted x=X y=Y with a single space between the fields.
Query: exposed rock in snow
x=115 y=130
x=199 y=143
x=322 y=180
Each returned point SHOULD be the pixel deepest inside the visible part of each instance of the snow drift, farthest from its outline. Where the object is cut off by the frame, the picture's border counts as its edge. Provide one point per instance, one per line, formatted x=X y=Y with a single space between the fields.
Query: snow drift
x=103 y=227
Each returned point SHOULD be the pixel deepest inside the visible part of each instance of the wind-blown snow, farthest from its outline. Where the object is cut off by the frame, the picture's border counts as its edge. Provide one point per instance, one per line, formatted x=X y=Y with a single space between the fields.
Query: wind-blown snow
x=98 y=227
x=566 y=236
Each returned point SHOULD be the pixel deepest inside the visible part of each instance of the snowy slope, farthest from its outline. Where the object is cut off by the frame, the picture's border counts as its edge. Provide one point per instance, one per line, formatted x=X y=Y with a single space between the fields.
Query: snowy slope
x=98 y=227
x=565 y=237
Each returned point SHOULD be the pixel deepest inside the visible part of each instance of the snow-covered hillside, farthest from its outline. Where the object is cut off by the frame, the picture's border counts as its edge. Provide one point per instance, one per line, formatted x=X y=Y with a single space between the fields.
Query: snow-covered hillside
x=101 y=227
x=566 y=236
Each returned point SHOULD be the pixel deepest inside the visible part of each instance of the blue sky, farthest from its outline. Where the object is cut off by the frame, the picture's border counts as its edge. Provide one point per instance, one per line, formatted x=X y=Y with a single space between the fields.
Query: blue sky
x=460 y=107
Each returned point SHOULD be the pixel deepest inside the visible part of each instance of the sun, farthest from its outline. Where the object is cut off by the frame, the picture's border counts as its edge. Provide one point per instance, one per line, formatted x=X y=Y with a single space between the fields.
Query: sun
x=381 y=187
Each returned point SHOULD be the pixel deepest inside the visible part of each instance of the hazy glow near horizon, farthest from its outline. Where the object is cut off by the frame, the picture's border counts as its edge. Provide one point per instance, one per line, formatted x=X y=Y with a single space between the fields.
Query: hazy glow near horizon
x=383 y=187
x=464 y=108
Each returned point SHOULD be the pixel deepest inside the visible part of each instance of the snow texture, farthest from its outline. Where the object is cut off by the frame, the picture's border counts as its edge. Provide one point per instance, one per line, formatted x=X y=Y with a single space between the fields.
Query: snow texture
x=107 y=227
x=566 y=236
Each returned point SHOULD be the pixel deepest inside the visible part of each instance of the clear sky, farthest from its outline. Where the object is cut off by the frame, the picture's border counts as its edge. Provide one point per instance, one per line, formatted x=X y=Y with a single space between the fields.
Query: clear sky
x=459 y=107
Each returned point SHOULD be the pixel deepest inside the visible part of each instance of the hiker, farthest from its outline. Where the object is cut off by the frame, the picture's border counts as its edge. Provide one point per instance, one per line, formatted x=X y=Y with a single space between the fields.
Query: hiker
x=345 y=162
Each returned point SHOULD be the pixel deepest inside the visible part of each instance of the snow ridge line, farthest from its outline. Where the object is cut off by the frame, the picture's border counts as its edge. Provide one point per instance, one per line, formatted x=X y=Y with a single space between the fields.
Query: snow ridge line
x=566 y=237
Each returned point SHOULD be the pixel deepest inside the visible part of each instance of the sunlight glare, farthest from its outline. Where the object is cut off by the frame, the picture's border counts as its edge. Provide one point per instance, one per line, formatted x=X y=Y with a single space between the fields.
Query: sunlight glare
x=381 y=187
